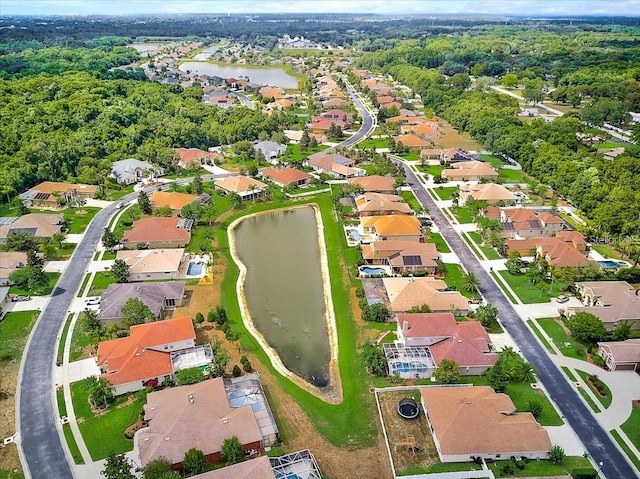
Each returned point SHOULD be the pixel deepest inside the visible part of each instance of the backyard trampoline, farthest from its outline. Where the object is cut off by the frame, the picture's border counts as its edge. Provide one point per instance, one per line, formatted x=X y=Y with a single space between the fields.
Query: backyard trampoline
x=408 y=409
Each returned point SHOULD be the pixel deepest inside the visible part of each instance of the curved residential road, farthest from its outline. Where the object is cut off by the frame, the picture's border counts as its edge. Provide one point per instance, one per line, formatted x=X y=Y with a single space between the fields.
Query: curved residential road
x=596 y=440
x=244 y=99
x=42 y=453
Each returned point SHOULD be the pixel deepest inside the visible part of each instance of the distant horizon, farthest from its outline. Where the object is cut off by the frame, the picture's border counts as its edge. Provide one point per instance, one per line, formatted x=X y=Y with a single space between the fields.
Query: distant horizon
x=497 y=8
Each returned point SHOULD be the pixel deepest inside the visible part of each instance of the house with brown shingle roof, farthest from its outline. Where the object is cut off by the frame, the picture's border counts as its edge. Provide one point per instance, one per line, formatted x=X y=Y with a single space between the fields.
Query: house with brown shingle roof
x=196 y=155
x=48 y=193
x=402 y=256
x=406 y=120
x=202 y=416
x=621 y=355
x=151 y=354
x=9 y=262
x=470 y=171
x=427 y=130
x=175 y=200
x=158 y=233
x=489 y=192
x=521 y=222
x=258 y=468
x=411 y=141
x=372 y=204
x=470 y=422
x=244 y=186
x=286 y=176
x=39 y=225
x=393 y=227
x=375 y=183
x=334 y=165
x=611 y=301
x=434 y=337
x=407 y=293
x=153 y=264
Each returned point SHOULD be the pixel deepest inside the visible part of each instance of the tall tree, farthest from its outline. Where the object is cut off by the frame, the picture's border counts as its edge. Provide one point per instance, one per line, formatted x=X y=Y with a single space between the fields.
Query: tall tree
x=120 y=271
x=144 y=203
x=197 y=186
x=231 y=450
x=117 y=466
x=194 y=462
x=447 y=372
x=134 y=311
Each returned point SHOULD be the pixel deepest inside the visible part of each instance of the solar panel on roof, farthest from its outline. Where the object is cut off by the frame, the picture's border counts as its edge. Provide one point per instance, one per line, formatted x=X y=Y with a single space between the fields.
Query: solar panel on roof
x=412 y=260
x=41 y=196
x=184 y=224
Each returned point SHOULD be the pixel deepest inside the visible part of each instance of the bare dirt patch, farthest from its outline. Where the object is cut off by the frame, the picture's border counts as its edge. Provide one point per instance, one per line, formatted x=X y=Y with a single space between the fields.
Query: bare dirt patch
x=451 y=138
x=400 y=431
x=9 y=459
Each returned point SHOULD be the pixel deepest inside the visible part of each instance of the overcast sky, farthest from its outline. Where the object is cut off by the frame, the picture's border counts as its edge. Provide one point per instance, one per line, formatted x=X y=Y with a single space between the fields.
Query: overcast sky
x=484 y=7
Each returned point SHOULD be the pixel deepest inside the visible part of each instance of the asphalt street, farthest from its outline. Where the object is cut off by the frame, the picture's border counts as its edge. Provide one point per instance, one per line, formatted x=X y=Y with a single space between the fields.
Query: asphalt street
x=597 y=441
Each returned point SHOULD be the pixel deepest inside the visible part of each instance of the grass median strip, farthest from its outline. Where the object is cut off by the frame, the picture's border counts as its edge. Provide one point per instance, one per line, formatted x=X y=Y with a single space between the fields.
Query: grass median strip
x=438 y=240
x=74 y=450
x=606 y=401
x=540 y=336
x=627 y=450
x=631 y=426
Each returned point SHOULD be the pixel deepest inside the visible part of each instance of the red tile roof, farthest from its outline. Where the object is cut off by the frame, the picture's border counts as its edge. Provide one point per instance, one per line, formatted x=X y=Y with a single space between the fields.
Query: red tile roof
x=156 y=229
x=286 y=176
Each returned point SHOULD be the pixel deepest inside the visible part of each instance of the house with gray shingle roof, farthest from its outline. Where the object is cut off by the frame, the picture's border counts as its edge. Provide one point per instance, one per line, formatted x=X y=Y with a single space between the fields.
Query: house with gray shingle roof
x=131 y=171
x=271 y=150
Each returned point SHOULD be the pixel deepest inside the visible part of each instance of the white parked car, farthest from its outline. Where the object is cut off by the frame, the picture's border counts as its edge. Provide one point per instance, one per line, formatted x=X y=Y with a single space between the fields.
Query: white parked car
x=562 y=299
x=92 y=301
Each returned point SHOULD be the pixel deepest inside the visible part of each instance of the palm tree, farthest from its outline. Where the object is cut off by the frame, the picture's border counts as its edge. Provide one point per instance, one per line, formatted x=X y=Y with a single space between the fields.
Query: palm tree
x=523 y=372
x=236 y=200
x=470 y=281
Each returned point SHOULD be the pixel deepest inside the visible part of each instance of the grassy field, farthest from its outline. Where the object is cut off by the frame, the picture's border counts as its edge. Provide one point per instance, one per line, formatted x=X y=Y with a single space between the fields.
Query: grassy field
x=490 y=253
x=433 y=170
x=104 y=434
x=509 y=175
x=606 y=251
x=350 y=422
x=14 y=329
x=631 y=427
x=101 y=281
x=53 y=279
x=529 y=293
x=522 y=394
x=80 y=218
x=625 y=448
x=505 y=291
x=373 y=143
x=294 y=154
x=493 y=160
x=445 y=192
x=605 y=401
x=463 y=214
x=566 y=344
x=439 y=241
x=80 y=339
x=411 y=200
x=454 y=276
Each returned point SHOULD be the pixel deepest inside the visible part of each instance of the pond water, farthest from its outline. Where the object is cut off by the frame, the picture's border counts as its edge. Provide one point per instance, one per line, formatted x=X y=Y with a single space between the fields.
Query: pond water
x=145 y=47
x=284 y=290
x=275 y=76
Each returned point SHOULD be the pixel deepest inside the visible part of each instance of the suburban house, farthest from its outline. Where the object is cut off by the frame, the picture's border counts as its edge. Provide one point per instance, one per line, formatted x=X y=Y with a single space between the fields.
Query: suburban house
x=406 y=120
x=221 y=98
x=611 y=301
x=272 y=92
x=158 y=233
x=375 y=183
x=523 y=222
x=425 y=339
x=153 y=264
x=151 y=354
x=613 y=153
x=49 y=193
x=429 y=130
x=321 y=126
x=447 y=155
x=245 y=187
x=334 y=102
x=339 y=117
x=402 y=256
x=621 y=355
x=159 y=297
x=407 y=293
x=489 y=192
x=131 y=171
x=9 y=262
x=271 y=150
x=286 y=176
x=372 y=204
x=472 y=422
x=202 y=416
x=559 y=251
x=411 y=141
x=189 y=156
x=175 y=200
x=392 y=227
x=335 y=165
x=39 y=225
x=470 y=171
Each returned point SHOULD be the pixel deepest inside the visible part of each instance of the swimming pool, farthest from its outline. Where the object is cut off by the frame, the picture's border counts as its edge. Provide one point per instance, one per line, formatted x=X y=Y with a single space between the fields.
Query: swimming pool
x=194 y=269
x=413 y=366
x=372 y=271
x=611 y=263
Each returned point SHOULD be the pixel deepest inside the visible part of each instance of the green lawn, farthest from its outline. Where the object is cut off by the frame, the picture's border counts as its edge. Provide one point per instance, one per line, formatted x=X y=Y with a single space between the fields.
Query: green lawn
x=4 y=474
x=104 y=434
x=350 y=422
x=489 y=252
x=625 y=448
x=541 y=337
x=529 y=293
x=411 y=200
x=74 y=450
x=508 y=175
x=445 y=192
x=101 y=281
x=521 y=394
x=631 y=427
x=504 y=290
x=495 y=161
x=453 y=276
x=80 y=338
x=294 y=154
x=374 y=143
x=463 y=214
x=79 y=220
x=472 y=246
x=14 y=329
x=543 y=468
x=439 y=241
x=411 y=156
x=84 y=284
x=440 y=467
x=108 y=255
x=53 y=279
x=606 y=401
x=433 y=170
x=568 y=372
x=606 y=251
x=63 y=338
x=571 y=220
x=566 y=344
